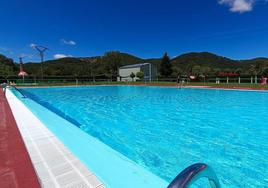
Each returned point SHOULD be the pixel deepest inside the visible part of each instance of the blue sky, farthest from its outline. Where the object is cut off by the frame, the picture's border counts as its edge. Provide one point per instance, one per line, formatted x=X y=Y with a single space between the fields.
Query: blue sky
x=147 y=28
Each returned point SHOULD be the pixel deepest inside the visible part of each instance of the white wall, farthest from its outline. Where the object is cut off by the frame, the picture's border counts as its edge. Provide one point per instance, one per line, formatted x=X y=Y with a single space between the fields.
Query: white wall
x=126 y=73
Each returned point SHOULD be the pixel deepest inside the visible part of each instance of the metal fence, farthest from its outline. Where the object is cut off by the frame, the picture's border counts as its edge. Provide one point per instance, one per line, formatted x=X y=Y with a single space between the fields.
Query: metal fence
x=217 y=80
x=71 y=80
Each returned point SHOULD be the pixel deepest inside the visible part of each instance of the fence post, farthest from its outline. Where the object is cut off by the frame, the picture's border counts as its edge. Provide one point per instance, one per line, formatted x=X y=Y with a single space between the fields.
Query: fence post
x=256 y=79
x=239 y=80
x=217 y=80
x=227 y=80
x=251 y=80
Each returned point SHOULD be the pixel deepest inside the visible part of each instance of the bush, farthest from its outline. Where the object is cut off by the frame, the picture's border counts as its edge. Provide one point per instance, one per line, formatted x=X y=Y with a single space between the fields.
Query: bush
x=140 y=75
x=132 y=76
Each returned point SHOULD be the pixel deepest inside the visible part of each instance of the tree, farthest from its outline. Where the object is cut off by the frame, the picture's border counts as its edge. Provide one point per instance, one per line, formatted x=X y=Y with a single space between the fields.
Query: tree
x=216 y=71
x=238 y=71
x=206 y=70
x=265 y=71
x=196 y=70
x=112 y=61
x=140 y=75
x=7 y=67
x=227 y=70
x=132 y=76
x=6 y=71
x=176 y=71
x=255 y=69
x=165 y=66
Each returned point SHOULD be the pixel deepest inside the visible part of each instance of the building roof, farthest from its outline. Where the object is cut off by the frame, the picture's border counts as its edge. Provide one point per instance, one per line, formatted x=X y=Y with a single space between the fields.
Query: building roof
x=134 y=66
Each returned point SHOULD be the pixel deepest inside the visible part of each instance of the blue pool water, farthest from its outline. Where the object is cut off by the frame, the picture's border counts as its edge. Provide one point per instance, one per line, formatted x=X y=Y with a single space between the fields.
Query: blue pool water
x=167 y=129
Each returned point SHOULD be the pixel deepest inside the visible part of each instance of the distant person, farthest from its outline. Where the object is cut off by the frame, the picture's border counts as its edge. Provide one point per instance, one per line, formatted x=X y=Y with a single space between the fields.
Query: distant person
x=4 y=86
x=12 y=83
x=178 y=80
x=263 y=80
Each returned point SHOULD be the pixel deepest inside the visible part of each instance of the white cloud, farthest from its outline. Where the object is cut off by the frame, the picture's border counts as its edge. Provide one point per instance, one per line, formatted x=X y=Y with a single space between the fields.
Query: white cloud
x=32 y=45
x=240 y=6
x=59 y=56
x=68 y=42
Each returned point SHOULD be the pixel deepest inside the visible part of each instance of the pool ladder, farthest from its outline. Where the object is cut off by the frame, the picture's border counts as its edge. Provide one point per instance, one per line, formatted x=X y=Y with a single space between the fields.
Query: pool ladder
x=4 y=86
x=194 y=172
x=23 y=95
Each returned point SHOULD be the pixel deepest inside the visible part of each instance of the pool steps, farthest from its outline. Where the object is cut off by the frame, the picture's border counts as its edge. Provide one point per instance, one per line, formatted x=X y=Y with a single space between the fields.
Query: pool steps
x=18 y=90
x=194 y=172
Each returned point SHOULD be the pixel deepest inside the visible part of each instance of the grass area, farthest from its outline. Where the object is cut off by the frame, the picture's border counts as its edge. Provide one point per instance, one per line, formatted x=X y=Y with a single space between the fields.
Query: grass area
x=221 y=85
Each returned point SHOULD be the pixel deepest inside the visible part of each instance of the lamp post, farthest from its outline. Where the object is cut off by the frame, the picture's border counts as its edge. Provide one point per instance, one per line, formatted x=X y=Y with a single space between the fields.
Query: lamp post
x=41 y=50
x=150 y=71
x=22 y=72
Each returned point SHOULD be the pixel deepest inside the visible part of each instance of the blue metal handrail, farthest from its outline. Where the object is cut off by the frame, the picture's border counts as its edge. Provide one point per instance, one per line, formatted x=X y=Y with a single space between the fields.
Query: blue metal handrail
x=194 y=172
x=23 y=95
x=5 y=85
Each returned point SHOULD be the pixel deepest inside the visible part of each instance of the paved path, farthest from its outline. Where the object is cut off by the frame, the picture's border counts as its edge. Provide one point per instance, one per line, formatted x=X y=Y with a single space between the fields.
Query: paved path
x=16 y=169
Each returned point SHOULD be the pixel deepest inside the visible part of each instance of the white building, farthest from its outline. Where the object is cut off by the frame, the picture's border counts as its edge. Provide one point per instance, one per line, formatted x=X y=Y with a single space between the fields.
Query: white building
x=149 y=70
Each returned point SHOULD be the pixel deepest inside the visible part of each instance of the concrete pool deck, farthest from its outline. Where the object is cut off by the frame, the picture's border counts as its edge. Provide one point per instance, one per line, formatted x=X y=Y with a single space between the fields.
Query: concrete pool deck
x=54 y=164
x=16 y=169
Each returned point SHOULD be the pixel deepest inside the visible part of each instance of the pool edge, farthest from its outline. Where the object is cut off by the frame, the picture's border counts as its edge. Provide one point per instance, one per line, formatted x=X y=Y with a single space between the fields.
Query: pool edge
x=133 y=173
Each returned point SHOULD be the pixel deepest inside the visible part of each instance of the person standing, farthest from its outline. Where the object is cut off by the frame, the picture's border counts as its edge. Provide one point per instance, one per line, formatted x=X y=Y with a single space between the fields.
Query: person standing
x=4 y=86
x=178 y=79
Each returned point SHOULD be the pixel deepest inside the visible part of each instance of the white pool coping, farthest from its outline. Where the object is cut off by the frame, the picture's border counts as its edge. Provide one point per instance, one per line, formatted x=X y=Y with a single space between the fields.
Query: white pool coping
x=112 y=168
x=55 y=165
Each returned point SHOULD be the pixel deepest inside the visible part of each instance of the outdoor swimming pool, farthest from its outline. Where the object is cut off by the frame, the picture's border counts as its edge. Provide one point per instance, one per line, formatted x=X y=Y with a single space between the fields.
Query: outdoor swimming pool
x=165 y=130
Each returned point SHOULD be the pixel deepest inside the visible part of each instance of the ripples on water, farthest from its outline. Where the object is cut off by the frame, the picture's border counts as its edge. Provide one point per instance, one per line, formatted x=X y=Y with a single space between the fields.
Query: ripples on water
x=167 y=129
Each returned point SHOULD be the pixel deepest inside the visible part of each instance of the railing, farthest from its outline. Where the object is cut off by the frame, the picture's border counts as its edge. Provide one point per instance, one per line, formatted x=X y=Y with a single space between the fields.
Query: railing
x=191 y=174
x=4 y=86
x=23 y=95
x=71 y=80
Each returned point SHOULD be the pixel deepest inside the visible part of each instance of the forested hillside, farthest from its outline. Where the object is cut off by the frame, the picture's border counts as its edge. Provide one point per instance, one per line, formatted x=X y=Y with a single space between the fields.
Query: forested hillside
x=203 y=63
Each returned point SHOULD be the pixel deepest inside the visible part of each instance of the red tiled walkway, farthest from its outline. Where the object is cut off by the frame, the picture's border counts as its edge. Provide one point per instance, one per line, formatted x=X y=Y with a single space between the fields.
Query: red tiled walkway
x=16 y=169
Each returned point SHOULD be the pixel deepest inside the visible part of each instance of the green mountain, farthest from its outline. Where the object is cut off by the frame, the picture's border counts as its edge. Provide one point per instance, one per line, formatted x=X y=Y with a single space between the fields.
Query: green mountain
x=81 y=66
x=204 y=59
x=211 y=64
x=7 y=66
x=107 y=65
